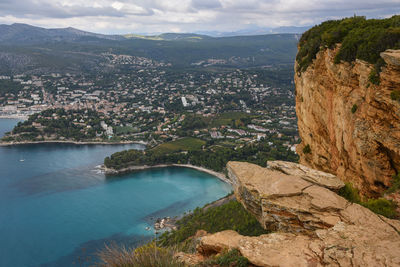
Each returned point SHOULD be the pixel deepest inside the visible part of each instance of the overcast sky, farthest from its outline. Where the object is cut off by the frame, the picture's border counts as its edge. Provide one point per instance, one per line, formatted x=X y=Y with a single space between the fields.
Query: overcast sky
x=140 y=16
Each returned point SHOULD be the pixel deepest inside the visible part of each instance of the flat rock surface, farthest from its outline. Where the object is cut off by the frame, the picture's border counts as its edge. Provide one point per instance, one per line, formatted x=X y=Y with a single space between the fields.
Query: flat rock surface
x=316 y=177
x=283 y=202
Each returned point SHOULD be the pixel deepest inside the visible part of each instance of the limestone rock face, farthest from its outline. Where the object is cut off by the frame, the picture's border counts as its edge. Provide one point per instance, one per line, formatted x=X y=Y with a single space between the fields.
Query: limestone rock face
x=288 y=203
x=361 y=147
x=314 y=226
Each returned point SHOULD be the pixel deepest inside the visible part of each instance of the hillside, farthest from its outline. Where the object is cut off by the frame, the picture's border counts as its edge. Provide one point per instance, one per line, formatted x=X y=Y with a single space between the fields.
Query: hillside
x=24 y=48
x=17 y=33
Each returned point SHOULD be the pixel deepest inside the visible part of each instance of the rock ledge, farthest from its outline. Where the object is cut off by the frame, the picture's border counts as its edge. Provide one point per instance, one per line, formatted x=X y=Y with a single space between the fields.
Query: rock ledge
x=314 y=226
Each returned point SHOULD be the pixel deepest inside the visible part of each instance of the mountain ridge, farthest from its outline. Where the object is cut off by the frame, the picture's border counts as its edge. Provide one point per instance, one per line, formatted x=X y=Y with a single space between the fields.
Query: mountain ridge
x=22 y=32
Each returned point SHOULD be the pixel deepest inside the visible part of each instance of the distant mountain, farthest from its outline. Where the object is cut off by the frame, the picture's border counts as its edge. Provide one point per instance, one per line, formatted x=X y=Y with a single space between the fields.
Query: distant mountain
x=255 y=30
x=169 y=36
x=24 y=33
x=25 y=48
x=18 y=33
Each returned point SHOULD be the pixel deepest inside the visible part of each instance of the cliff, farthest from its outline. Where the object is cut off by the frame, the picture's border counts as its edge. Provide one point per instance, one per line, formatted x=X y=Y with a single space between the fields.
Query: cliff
x=314 y=226
x=349 y=124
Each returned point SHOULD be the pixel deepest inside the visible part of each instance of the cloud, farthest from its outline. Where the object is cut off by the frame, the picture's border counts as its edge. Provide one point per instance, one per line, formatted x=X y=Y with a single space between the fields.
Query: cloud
x=129 y=16
x=206 y=4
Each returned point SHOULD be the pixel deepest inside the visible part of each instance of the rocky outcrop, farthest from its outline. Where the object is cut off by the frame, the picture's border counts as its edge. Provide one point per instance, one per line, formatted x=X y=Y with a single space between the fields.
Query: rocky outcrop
x=314 y=226
x=342 y=245
x=284 y=202
x=316 y=177
x=351 y=125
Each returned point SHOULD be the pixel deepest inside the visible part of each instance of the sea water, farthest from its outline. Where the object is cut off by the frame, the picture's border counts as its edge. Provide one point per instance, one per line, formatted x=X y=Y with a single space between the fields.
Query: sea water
x=58 y=209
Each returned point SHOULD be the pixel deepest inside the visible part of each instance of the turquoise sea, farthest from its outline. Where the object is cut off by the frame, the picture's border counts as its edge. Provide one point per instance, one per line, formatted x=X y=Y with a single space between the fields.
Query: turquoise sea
x=58 y=209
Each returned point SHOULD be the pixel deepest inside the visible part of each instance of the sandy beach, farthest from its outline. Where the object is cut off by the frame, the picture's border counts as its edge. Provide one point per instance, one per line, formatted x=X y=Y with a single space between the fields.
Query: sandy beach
x=219 y=175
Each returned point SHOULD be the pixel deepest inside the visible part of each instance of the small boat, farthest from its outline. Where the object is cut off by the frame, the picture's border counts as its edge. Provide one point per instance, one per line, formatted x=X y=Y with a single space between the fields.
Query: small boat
x=21 y=160
x=148 y=228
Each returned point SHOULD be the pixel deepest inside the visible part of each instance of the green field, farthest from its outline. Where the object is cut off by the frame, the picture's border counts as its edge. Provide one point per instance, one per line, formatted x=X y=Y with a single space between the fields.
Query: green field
x=227 y=118
x=125 y=130
x=183 y=144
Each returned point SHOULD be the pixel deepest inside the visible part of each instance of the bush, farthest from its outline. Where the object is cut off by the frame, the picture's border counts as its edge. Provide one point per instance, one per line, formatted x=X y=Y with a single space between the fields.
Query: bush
x=350 y=193
x=148 y=255
x=395 y=184
x=395 y=95
x=381 y=206
x=307 y=149
x=228 y=259
x=354 y=108
x=374 y=77
x=230 y=216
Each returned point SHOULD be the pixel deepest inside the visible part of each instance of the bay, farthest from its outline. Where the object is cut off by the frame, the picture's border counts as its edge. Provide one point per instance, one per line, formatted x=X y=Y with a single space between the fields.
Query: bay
x=58 y=209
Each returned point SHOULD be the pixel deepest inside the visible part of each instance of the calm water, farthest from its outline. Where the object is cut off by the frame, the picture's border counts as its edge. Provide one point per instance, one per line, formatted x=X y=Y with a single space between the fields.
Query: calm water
x=57 y=209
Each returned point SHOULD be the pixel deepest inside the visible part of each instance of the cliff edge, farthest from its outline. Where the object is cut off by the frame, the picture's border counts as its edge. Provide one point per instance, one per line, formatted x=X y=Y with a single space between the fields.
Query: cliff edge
x=313 y=225
x=350 y=125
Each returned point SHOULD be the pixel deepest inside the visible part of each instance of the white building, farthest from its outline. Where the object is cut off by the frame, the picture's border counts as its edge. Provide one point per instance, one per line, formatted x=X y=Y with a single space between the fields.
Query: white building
x=184 y=102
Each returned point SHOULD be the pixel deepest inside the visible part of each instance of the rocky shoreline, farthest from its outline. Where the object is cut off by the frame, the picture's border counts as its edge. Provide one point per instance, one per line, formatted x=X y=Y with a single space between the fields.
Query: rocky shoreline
x=72 y=142
x=169 y=224
x=110 y=171
x=166 y=223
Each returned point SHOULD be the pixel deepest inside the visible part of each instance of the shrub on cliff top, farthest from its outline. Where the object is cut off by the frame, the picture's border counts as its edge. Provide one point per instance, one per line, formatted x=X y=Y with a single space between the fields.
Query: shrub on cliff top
x=360 y=38
x=395 y=95
x=350 y=193
x=373 y=77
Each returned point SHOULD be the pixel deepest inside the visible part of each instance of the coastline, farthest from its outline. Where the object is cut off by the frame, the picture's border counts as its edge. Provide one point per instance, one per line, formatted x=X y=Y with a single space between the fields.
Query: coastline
x=72 y=142
x=16 y=116
x=219 y=175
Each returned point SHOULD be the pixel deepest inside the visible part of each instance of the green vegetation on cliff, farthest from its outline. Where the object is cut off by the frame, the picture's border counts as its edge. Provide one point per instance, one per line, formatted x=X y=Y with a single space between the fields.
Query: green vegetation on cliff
x=229 y=216
x=211 y=218
x=359 y=38
x=395 y=95
x=148 y=255
x=380 y=206
x=228 y=259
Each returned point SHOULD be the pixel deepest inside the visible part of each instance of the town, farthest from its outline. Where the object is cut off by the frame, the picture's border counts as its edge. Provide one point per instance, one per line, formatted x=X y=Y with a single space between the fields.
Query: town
x=145 y=100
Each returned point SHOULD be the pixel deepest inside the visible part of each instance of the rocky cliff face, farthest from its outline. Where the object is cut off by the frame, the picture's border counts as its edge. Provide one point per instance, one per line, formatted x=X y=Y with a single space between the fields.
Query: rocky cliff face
x=351 y=125
x=314 y=226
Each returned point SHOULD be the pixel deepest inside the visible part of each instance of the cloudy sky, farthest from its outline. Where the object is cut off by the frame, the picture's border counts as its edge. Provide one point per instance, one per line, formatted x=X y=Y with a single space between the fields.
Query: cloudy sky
x=151 y=16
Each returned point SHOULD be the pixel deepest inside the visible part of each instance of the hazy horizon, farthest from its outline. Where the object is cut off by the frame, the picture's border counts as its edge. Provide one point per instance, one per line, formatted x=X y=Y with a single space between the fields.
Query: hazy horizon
x=187 y=16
